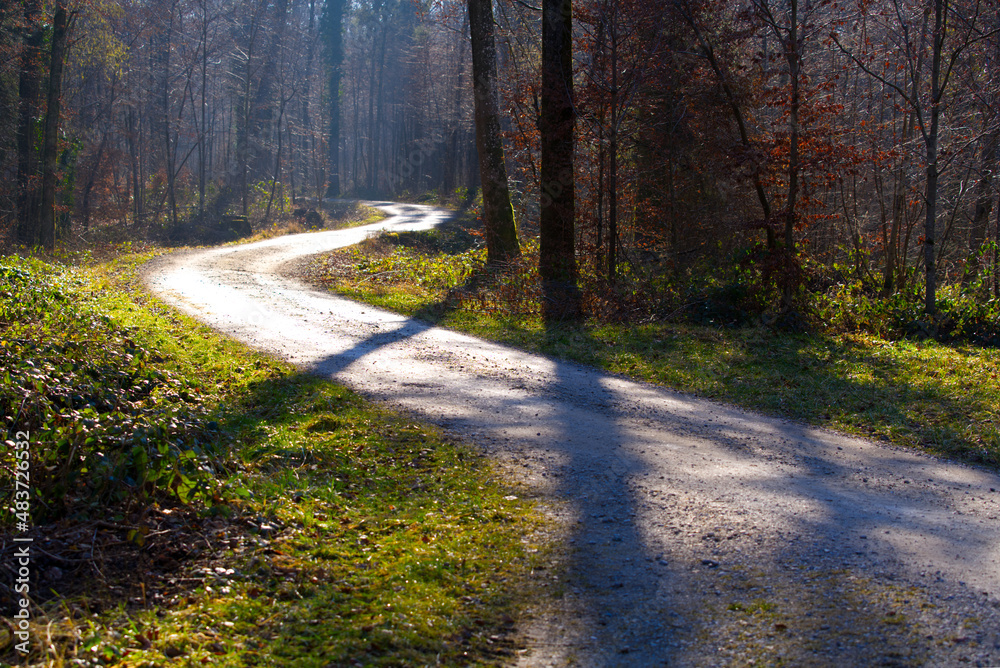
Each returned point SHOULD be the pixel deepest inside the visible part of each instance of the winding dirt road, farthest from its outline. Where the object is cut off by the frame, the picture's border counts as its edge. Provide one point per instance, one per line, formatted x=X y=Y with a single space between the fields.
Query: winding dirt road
x=690 y=533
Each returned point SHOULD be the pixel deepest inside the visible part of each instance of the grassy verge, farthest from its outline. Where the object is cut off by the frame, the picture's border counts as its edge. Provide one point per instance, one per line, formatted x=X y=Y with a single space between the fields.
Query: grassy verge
x=202 y=503
x=941 y=398
x=335 y=215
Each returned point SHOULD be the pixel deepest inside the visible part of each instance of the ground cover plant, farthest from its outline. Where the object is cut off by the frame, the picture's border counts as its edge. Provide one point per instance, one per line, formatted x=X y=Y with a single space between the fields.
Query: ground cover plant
x=193 y=500
x=339 y=214
x=858 y=364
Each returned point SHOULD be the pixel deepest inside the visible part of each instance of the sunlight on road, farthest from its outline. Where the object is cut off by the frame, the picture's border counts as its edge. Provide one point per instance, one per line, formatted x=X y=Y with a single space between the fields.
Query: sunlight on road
x=660 y=486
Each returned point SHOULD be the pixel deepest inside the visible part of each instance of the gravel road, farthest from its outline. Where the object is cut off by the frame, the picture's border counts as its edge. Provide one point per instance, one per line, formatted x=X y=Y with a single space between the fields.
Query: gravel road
x=688 y=532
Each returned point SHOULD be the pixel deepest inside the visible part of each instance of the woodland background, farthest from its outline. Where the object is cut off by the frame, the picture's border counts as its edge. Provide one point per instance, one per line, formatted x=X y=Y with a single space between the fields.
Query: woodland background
x=738 y=169
x=830 y=160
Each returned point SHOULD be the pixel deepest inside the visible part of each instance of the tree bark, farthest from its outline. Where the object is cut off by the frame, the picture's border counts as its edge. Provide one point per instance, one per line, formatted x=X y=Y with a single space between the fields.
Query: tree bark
x=890 y=282
x=931 y=146
x=50 y=140
x=169 y=140
x=334 y=18
x=794 y=60
x=794 y=56
x=498 y=214
x=557 y=262
x=91 y=180
x=613 y=151
x=203 y=120
x=29 y=93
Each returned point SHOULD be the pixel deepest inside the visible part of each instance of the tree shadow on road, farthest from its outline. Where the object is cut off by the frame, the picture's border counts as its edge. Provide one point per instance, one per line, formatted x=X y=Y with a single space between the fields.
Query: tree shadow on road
x=661 y=563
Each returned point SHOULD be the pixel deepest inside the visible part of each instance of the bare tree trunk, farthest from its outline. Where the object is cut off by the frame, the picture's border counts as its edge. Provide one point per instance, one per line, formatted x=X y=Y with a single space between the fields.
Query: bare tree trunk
x=169 y=149
x=377 y=148
x=334 y=18
x=91 y=180
x=135 y=127
x=29 y=92
x=498 y=214
x=243 y=132
x=794 y=61
x=931 y=145
x=375 y=107
x=50 y=139
x=203 y=121
x=449 y=177
x=613 y=151
x=355 y=158
x=794 y=56
x=557 y=261
x=598 y=63
x=276 y=176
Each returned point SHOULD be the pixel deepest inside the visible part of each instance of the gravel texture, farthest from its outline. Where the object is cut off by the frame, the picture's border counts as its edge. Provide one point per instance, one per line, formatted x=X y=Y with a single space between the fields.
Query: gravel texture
x=686 y=533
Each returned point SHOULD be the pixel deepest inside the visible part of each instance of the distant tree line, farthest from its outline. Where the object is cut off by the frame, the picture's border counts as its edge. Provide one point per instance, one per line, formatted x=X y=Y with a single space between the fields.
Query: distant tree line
x=796 y=142
x=176 y=110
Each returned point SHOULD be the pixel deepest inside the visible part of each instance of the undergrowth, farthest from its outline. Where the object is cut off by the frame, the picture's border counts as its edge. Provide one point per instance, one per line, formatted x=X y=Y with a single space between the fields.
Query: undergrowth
x=119 y=427
x=197 y=502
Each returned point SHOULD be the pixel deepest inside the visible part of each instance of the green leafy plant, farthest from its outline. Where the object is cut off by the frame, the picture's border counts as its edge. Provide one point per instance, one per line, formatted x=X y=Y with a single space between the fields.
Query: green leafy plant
x=108 y=427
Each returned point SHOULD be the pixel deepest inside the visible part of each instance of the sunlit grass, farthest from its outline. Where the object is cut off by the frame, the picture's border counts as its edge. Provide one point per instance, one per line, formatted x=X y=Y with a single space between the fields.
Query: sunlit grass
x=937 y=397
x=336 y=215
x=356 y=535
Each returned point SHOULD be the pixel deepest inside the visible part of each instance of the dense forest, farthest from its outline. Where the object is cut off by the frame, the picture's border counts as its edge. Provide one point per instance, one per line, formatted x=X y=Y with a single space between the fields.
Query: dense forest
x=789 y=206
x=806 y=147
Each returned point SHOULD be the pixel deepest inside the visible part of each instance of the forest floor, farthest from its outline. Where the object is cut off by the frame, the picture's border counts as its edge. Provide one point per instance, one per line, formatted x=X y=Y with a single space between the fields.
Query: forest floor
x=685 y=532
x=221 y=507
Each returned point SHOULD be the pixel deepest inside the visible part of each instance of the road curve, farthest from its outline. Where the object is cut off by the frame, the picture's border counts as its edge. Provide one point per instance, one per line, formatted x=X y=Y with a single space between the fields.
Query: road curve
x=691 y=533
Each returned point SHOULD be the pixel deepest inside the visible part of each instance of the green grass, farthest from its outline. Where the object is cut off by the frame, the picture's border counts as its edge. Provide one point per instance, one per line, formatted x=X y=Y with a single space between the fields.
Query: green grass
x=325 y=531
x=940 y=398
x=337 y=215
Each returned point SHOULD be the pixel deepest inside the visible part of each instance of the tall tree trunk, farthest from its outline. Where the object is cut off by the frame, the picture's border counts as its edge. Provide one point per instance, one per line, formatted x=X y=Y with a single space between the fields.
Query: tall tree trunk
x=276 y=175
x=498 y=214
x=50 y=139
x=370 y=135
x=203 y=121
x=598 y=72
x=451 y=159
x=379 y=118
x=931 y=146
x=334 y=27
x=134 y=130
x=29 y=92
x=557 y=261
x=794 y=57
x=273 y=22
x=613 y=149
x=91 y=180
x=302 y=159
x=169 y=151
x=356 y=144
x=893 y=263
x=243 y=131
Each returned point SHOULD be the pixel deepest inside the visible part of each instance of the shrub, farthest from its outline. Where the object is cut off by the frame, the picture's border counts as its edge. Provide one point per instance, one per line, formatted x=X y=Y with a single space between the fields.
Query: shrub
x=964 y=314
